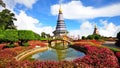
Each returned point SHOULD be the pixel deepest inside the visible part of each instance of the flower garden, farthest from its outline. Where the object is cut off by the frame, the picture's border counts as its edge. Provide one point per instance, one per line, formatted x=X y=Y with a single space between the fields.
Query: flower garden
x=96 y=57
x=14 y=42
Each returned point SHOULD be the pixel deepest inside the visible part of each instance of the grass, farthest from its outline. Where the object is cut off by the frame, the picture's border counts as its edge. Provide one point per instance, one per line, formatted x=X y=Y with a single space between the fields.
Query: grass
x=112 y=48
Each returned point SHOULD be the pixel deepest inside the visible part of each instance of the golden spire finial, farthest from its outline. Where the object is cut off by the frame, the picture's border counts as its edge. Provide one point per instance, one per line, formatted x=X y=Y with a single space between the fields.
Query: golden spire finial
x=60 y=9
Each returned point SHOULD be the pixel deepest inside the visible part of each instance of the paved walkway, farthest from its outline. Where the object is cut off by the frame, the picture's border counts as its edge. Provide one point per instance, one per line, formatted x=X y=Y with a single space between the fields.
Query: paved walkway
x=110 y=44
x=27 y=53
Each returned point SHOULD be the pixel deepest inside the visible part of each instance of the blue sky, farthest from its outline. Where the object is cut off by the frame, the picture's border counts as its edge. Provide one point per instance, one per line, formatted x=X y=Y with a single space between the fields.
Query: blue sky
x=80 y=15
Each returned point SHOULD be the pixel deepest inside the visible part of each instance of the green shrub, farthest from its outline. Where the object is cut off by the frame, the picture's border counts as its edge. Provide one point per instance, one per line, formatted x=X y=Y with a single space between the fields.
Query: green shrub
x=118 y=41
x=2 y=38
x=90 y=37
x=114 y=49
x=10 y=46
x=118 y=36
x=25 y=35
x=11 y=35
x=96 y=37
x=37 y=36
x=43 y=39
x=25 y=44
x=83 y=37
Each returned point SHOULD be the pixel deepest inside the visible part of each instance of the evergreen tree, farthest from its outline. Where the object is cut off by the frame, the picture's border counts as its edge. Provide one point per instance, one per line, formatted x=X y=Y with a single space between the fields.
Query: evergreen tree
x=2 y=4
x=83 y=37
x=118 y=41
x=118 y=36
x=43 y=34
x=6 y=20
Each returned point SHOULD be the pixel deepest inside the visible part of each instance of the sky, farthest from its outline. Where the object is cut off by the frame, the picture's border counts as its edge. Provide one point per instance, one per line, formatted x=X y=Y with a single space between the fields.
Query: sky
x=80 y=16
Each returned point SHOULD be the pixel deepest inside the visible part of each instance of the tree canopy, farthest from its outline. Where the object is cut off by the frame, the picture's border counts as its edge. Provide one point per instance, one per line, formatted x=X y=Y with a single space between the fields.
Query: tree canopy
x=118 y=35
x=91 y=37
x=11 y=35
x=2 y=4
x=6 y=19
x=26 y=35
x=118 y=41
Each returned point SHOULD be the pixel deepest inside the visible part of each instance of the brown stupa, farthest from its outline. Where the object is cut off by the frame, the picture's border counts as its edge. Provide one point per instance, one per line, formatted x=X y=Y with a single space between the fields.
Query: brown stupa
x=95 y=31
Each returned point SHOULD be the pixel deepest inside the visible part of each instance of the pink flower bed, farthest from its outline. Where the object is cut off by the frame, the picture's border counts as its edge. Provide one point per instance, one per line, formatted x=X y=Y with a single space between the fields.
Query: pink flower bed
x=36 y=43
x=2 y=46
x=96 y=57
x=118 y=55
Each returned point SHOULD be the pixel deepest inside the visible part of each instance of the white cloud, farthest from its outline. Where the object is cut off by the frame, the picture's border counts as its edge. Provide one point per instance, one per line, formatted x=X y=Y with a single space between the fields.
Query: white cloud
x=86 y=25
x=25 y=22
x=86 y=28
x=76 y=10
x=71 y=10
x=27 y=3
x=109 y=29
x=12 y=3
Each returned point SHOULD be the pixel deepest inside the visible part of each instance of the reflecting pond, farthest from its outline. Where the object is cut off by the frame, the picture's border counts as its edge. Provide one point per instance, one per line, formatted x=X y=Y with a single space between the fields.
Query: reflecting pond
x=58 y=55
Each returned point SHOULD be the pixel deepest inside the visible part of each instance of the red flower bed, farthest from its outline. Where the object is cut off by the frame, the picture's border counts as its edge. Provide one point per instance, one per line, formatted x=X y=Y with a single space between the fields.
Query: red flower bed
x=1 y=47
x=96 y=42
x=89 y=42
x=98 y=57
x=36 y=43
x=118 y=55
x=39 y=64
x=5 y=56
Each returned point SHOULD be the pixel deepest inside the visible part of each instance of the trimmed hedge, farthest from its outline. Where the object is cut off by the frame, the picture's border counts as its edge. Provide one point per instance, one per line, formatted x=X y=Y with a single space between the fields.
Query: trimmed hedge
x=11 y=35
x=97 y=37
x=26 y=35
x=22 y=36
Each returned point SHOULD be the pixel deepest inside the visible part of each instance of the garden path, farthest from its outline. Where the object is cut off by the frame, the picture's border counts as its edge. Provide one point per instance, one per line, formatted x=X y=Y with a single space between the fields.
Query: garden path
x=110 y=44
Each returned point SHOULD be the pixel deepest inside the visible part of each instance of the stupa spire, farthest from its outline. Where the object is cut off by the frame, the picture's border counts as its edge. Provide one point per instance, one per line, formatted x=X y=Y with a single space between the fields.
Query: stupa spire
x=60 y=28
x=60 y=8
x=95 y=30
